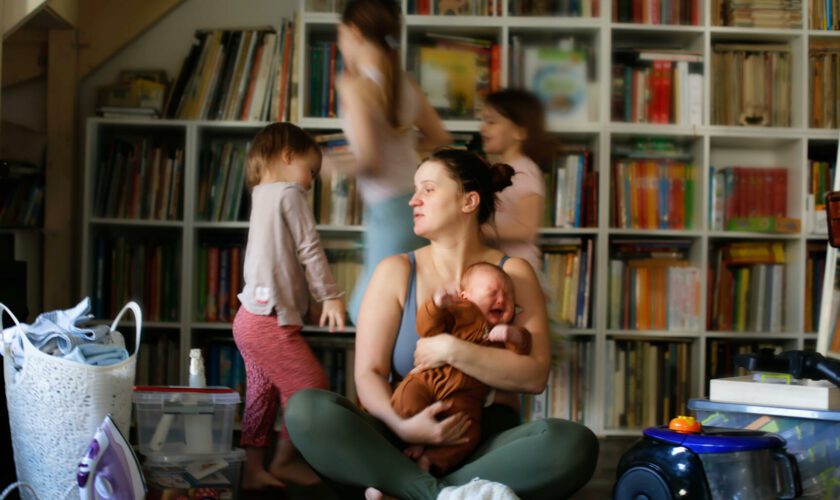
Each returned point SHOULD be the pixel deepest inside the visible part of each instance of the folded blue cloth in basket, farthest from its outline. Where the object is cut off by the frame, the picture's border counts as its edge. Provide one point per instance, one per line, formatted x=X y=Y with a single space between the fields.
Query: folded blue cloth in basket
x=56 y=333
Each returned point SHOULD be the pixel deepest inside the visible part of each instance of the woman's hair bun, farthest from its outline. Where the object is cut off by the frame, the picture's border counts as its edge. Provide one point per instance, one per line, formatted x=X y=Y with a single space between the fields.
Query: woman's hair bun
x=501 y=175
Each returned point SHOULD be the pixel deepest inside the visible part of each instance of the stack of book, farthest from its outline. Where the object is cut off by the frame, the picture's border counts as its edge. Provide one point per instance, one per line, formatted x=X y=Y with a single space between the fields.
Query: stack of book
x=237 y=75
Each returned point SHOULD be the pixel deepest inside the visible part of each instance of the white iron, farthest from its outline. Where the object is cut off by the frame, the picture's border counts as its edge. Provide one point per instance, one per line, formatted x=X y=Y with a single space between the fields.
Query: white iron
x=109 y=469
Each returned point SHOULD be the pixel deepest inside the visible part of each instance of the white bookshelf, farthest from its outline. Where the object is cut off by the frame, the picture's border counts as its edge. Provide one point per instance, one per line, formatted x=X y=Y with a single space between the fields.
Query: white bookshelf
x=710 y=145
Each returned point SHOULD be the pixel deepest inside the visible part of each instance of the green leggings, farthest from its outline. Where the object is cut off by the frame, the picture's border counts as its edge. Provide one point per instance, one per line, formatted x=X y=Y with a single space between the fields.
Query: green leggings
x=546 y=459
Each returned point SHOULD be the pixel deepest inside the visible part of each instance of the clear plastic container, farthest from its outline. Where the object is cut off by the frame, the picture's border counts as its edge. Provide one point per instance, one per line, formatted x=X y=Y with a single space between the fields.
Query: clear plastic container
x=194 y=477
x=811 y=437
x=173 y=420
x=744 y=475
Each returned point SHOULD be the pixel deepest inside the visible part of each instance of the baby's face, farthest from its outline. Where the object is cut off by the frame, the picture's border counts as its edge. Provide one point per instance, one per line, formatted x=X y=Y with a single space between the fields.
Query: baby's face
x=492 y=295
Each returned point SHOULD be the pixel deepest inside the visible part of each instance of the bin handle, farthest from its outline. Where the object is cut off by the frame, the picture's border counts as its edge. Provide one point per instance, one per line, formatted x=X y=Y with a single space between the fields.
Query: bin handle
x=138 y=322
x=7 y=345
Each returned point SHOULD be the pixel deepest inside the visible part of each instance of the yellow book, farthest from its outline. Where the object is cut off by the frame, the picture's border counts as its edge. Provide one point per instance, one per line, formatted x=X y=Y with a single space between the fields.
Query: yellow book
x=448 y=77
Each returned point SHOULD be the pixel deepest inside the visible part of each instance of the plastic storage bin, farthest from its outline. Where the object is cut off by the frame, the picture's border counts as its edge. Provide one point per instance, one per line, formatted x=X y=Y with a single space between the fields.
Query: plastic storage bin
x=194 y=477
x=174 y=421
x=812 y=436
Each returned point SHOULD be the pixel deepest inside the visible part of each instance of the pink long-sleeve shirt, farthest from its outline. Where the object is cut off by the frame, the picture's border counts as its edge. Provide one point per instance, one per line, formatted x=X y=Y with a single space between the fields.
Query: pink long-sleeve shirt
x=284 y=255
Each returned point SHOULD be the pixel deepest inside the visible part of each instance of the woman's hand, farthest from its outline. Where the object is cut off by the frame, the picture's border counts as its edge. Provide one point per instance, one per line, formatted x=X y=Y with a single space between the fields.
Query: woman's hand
x=424 y=428
x=332 y=314
x=432 y=352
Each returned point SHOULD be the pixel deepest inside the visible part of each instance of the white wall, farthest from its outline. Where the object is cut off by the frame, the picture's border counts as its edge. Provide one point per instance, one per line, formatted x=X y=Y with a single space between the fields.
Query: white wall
x=167 y=43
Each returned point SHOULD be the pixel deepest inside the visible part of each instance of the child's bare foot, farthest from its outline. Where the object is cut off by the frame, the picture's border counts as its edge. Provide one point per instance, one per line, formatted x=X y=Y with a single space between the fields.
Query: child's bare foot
x=414 y=451
x=254 y=475
x=374 y=494
x=293 y=469
x=260 y=480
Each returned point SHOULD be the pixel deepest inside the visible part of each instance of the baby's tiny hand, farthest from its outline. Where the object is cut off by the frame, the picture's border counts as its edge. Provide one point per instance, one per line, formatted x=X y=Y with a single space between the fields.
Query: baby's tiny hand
x=500 y=333
x=446 y=296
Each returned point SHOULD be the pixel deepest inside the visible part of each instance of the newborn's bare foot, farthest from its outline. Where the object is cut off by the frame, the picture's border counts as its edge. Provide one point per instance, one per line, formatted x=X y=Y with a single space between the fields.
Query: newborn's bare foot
x=374 y=494
x=414 y=451
x=260 y=480
x=293 y=469
x=424 y=463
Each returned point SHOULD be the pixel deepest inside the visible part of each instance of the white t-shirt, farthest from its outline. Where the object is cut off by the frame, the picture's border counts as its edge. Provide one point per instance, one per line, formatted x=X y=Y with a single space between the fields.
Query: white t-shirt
x=396 y=178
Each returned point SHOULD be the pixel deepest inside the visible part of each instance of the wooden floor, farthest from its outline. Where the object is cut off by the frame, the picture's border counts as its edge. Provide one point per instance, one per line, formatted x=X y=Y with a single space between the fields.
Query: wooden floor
x=599 y=488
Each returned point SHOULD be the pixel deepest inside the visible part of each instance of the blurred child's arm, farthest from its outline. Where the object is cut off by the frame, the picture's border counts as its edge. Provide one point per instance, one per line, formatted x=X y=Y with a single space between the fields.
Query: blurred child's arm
x=516 y=338
x=432 y=132
x=299 y=220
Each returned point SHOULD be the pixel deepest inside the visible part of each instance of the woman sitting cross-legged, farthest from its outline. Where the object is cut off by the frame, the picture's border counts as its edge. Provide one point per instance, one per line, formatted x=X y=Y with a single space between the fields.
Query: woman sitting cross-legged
x=546 y=459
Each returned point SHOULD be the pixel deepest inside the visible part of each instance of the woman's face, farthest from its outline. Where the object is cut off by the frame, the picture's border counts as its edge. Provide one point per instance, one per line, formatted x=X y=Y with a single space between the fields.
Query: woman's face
x=437 y=199
x=498 y=134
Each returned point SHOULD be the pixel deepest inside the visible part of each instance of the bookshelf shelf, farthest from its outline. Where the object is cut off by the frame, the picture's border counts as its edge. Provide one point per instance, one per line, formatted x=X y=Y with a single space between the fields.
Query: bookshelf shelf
x=737 y=235
x=752 y=336
x=575 y=332
x=762 y=34
x=102 y=221
x=601 y=346
x=656 y=28
x=567 y=231
x=656 y=232
x=319 y=123
x=651 y=335
x=636 y=129
x=435 y=22
x=566 y=24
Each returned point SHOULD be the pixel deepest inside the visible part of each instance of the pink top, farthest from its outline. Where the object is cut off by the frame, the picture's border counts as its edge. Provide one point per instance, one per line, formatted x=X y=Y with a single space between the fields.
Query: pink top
x=527 y=180
x=284 y=255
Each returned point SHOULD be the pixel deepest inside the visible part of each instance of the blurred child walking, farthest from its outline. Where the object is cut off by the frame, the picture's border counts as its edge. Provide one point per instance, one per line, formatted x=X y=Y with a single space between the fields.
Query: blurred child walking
x=284 y=262
x=380 y=108
x=513 y=127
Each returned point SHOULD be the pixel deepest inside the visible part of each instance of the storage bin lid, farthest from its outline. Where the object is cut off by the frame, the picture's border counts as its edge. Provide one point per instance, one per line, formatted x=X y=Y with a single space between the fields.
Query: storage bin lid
x=172 y=460
x=157 y=394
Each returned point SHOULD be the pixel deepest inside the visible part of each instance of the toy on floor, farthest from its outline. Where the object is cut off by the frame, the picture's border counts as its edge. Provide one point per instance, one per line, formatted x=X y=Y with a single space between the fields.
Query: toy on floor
x=683 y=460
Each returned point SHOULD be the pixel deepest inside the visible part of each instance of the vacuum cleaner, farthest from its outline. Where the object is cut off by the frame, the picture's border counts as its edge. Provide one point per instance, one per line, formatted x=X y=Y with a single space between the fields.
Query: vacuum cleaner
x=109 y=469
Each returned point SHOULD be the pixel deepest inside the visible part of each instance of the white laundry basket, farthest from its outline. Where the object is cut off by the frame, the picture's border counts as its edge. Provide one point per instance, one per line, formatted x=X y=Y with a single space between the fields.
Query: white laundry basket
x=55 y=407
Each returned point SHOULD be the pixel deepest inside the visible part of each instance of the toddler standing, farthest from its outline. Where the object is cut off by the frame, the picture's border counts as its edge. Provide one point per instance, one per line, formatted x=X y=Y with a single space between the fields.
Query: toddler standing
x=284 y=262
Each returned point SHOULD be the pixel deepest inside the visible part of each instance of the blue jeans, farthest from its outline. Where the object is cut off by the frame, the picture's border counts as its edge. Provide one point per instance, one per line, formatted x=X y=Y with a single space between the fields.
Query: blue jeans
x=389 y=230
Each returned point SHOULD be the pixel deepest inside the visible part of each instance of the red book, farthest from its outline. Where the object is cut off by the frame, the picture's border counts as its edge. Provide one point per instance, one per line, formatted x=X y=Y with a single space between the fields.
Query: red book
x=252 y=78
x=212 y=283
x=235 y=278
x=665 y=103
x=494 y=67
x=781 y=193
x=284 y=73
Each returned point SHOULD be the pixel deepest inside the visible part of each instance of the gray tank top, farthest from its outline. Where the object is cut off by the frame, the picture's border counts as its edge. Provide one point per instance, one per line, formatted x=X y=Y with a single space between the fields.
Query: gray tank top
x=403 y=356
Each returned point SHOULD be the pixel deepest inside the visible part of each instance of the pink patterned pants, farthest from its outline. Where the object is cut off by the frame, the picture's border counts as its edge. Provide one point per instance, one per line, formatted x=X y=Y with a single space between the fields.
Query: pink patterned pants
x=278 y=363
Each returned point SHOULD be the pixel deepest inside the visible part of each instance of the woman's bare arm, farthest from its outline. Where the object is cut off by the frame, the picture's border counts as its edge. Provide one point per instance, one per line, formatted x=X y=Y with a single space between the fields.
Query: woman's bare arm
x=500 y=368
x=376 y=334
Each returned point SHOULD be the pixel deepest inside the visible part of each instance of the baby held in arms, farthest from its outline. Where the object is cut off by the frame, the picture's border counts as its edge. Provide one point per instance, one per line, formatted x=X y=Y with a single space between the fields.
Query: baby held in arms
x=481 y=312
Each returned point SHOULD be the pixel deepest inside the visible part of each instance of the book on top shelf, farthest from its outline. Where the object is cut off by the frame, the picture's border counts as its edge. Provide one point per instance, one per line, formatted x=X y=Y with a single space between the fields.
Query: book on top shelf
x=558 y=77
x=236 y=75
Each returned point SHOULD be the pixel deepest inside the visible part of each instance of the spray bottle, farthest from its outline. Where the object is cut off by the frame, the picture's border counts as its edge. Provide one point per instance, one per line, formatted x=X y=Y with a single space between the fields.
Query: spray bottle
x=198 y=426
